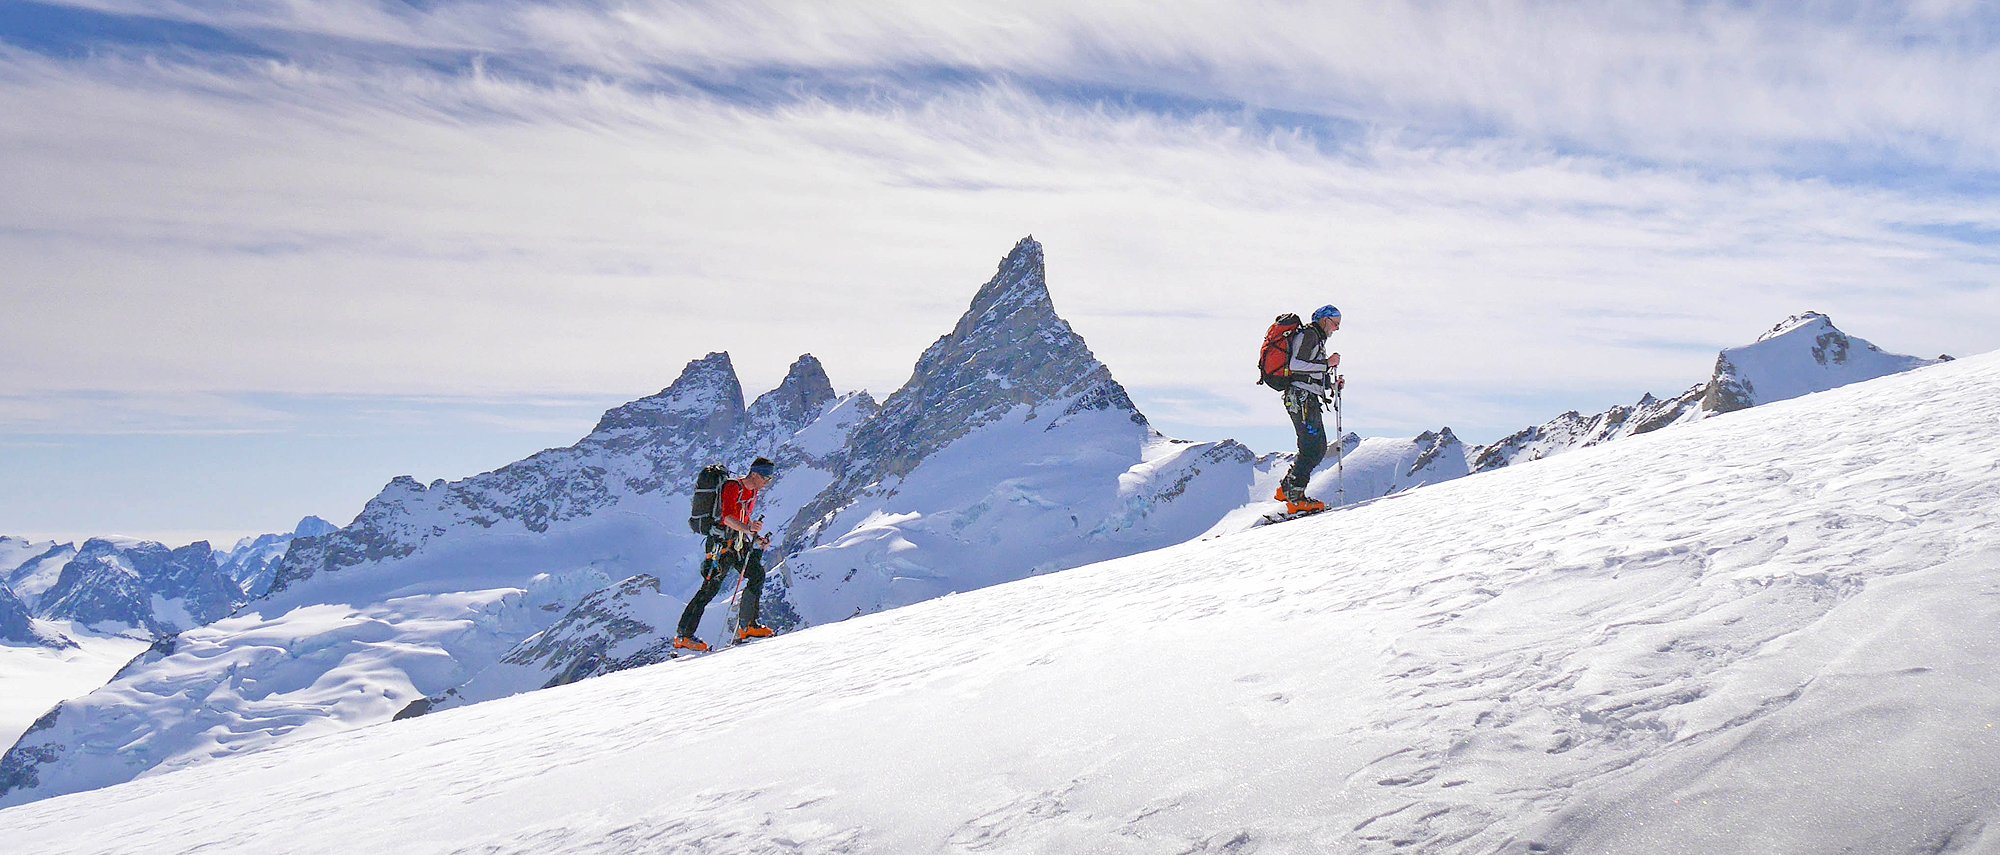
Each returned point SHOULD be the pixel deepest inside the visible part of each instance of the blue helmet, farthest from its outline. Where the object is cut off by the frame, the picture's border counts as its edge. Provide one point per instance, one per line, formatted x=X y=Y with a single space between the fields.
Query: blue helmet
x=1324 y=312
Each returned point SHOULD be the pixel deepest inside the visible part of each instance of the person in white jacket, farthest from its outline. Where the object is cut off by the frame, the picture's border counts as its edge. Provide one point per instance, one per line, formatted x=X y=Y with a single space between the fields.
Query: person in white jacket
x=1313 y=381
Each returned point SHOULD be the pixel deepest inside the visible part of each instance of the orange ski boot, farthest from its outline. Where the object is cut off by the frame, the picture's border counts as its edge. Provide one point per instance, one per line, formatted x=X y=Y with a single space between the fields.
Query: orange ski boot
x=753 y=631
x=1297 y=502
x=689 y=642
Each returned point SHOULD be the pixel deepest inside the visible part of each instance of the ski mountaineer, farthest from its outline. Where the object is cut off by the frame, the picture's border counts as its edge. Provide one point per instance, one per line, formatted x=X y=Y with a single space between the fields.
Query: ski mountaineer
x=735 y=543
x=1310 y=370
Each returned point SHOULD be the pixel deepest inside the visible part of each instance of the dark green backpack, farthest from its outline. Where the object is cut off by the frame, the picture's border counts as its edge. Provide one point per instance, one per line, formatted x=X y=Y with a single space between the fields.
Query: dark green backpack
x=707 y=488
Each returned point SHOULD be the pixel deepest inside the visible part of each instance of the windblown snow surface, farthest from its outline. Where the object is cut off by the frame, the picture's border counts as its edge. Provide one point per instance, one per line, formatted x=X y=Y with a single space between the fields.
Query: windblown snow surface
x=1769 y=632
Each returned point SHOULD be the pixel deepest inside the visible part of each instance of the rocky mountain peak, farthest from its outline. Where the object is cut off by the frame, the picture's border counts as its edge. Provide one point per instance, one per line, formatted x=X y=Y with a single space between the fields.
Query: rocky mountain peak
x=1020 y=285
x=125 y=581
x=1010 y=352
x=253 y=562
x=805 y=393
x=1009 y=349
x=706 y=397
x=313 y=526
x=16 y=624
x=1814 y=322
x=1433 y=447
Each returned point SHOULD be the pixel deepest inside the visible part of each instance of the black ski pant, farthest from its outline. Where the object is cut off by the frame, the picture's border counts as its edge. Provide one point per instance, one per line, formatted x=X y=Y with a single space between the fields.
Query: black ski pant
x=1309 y=423
x=717 y=562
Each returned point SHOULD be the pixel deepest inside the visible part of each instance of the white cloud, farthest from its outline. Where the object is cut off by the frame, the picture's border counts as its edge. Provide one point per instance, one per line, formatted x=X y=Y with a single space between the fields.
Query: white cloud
x=342 y=228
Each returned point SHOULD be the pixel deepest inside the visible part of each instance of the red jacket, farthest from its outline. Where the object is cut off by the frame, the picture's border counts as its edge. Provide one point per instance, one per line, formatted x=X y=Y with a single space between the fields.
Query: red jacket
x=738 y=502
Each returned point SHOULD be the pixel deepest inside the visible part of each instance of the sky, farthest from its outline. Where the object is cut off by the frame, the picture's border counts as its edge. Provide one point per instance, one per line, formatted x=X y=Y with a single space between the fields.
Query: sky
x=257 y=258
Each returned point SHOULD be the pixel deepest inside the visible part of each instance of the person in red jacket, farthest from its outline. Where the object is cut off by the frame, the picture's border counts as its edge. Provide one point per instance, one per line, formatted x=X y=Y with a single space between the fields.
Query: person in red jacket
x=737 y=542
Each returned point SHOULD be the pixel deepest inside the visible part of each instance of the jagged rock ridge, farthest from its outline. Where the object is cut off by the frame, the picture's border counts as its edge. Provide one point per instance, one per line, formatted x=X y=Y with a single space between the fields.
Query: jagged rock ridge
x=253 y=562
x=17 y=624
x=651 y=447
x=1010 y=351
x=142 y=584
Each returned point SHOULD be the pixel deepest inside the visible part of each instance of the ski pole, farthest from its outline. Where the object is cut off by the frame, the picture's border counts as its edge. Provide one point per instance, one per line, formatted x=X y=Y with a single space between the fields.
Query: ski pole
x=744 y=541
x=1340 y=437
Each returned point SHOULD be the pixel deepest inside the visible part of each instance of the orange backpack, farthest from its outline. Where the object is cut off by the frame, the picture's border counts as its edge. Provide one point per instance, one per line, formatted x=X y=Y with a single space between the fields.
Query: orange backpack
x=1274 y=360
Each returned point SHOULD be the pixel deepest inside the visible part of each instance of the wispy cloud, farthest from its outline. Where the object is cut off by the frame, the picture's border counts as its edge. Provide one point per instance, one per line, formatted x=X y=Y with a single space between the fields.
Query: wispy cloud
x=1743 y=83
x=106 y=413
x=413 y=231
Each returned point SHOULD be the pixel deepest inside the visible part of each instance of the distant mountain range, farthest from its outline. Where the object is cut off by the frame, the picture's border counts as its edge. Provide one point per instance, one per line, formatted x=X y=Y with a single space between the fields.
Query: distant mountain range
x=1010 y=452
x=122 y=585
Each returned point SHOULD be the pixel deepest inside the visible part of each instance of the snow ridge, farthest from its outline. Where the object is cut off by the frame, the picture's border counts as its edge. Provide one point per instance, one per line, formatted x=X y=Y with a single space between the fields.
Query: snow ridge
x=1803 y=354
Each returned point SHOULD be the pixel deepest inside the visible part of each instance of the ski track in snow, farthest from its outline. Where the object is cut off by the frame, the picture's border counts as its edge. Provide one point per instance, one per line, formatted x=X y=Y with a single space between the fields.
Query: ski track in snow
x=1769 y=632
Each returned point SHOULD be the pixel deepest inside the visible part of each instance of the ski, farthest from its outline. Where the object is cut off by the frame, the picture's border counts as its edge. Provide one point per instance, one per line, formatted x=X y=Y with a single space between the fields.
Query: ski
x=1274 y=519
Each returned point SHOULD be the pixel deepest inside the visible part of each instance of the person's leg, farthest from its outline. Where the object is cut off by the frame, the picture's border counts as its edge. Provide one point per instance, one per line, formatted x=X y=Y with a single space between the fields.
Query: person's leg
x=711 y=582
x=1309 y=424
x=753 y=589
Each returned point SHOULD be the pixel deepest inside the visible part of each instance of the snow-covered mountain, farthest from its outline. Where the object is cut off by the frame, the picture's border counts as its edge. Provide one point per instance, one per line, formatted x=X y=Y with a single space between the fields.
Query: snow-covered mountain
x=1377 y=467
x=1010 y=452
x=123 y=582
x=253 y=562
x=31 y=568
x=17 y=624
x=15 y=551
x=1801 y=355
x=1770 y=633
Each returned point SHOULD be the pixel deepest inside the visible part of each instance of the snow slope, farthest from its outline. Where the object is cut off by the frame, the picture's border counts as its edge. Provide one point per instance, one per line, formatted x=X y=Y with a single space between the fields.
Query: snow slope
x=38 y=677
x=1769 y=632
